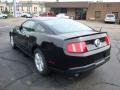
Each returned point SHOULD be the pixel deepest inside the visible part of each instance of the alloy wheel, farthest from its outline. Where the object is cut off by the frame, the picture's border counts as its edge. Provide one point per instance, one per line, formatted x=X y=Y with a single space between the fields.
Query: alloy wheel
x=39 y=62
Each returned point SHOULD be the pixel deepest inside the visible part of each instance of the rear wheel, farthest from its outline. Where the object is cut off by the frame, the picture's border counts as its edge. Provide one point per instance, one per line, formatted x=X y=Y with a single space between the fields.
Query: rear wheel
x=4 y=17
x=40 y=62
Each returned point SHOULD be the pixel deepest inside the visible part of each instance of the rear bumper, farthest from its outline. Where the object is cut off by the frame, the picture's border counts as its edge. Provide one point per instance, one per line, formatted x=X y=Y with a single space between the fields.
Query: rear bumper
x=109 y=21
x=87 y=67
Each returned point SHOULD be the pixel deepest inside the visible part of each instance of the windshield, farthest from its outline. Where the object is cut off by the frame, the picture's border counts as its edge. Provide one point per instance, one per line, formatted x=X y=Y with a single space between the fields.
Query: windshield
x=66 y=25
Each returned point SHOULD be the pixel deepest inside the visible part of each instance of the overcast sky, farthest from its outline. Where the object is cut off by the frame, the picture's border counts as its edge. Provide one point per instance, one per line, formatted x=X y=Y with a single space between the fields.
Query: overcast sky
x=68 y=0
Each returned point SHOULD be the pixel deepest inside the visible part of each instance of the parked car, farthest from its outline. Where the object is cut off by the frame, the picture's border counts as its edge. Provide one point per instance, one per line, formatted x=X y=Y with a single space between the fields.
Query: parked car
x=26 y=15
x=62 y=15
x=47 y=14
x=3 y=15
x=35 y=15
x=18 y=14
x=61 y=44
x=110 y=18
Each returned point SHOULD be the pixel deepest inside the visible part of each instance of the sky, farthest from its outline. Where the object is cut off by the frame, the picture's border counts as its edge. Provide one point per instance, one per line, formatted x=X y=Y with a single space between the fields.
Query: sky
x=68 y=0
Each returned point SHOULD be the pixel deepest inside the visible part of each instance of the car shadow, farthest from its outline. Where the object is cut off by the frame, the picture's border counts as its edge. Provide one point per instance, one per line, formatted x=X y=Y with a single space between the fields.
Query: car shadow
x=53 y=81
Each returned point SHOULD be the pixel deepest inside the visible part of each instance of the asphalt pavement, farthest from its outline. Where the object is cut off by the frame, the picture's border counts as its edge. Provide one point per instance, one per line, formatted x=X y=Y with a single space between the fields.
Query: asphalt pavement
x=17 y=71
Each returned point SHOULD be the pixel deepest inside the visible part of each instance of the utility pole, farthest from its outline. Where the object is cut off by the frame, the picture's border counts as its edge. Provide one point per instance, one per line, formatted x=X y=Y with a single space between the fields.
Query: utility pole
x=14 y=8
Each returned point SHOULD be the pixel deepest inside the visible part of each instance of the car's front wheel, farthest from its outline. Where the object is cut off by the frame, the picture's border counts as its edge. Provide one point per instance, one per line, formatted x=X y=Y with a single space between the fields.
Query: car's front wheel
x=12 y=42
x=40 y=62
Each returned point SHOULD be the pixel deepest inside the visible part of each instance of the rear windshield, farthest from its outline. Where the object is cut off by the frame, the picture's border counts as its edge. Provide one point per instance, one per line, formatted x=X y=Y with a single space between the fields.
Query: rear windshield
x=110 y=15
x=66 y=25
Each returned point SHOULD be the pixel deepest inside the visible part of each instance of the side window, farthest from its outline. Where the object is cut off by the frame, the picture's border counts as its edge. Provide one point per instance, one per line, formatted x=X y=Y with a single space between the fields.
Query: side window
x=28 y=25
x=39 y=28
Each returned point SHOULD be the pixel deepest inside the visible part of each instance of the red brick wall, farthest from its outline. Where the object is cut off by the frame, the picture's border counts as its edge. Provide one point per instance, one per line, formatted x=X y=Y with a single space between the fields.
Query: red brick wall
x=104 y=8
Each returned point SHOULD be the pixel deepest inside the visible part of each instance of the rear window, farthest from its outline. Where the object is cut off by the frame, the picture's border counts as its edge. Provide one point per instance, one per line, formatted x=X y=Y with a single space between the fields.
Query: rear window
x=66 y=25
x=110 y=15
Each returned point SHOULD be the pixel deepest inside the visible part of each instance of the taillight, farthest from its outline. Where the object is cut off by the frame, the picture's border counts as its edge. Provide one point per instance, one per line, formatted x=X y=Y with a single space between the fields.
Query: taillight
x=77 y=47
x=107 y=40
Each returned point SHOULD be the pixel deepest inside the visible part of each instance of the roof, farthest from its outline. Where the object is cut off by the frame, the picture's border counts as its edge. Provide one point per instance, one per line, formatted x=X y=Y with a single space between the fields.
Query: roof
x=33 y=2
x=67 y=4
x=75 y=4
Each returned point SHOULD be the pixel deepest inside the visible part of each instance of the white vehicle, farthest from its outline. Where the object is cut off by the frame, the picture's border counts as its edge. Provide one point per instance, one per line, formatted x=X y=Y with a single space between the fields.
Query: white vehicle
x=18 y=14
x=3 y=15
x=62 y=15
x=110 y=18
x=35 y=15
x=26 y=15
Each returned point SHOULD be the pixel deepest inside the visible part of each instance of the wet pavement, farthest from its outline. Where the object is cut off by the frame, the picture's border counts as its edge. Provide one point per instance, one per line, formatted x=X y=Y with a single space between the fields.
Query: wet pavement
x=17 y=71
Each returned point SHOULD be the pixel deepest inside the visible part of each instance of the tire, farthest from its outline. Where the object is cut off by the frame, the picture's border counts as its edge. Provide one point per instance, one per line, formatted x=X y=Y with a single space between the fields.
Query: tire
x=40 y=62
x=13 y=45
x=4 y=17
x=113 y=22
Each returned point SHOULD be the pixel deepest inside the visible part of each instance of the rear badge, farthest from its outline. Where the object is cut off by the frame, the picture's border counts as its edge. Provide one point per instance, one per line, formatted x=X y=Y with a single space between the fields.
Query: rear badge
x=97 y=43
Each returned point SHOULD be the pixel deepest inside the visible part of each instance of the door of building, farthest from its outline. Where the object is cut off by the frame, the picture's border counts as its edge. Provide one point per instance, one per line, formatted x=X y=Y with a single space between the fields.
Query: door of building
x=80 y=13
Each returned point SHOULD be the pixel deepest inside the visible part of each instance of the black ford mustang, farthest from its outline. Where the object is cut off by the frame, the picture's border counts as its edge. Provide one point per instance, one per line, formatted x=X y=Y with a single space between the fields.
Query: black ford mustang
x=61 y=44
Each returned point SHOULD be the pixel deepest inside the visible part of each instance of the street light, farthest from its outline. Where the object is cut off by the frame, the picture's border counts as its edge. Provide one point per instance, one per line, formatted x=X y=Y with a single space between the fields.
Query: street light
x=14 y=8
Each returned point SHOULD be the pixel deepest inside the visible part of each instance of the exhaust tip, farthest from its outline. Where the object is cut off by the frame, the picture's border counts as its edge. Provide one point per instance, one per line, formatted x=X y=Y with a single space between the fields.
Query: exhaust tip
x=76 y=75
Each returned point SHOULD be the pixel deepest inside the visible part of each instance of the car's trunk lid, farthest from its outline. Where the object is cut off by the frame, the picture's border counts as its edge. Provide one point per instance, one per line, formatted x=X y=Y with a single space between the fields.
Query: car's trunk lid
x=76 y=34
x=89 y=37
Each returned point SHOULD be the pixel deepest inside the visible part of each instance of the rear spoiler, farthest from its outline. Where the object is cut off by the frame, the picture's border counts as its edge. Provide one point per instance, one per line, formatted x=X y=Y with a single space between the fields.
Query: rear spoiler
x=86 y=35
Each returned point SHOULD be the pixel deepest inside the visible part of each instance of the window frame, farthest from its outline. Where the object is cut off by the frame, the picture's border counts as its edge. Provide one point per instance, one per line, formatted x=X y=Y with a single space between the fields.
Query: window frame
x=116 y=15
x=96 y=14
x=32 y=28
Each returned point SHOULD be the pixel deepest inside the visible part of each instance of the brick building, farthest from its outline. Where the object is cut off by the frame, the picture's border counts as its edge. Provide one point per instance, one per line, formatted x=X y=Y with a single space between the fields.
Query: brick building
x=86 y=10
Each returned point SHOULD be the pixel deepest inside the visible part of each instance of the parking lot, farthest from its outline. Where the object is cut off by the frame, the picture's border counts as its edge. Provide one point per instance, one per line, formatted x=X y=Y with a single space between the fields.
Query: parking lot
x=17 y=71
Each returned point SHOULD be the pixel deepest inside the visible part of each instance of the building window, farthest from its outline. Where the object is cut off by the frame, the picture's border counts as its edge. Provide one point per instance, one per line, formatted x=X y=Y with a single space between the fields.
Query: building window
x=80 y=13
x=1 y=8
x=28 y=9
x=22 y=8
x=17 y=8
x=97 y=14
x=116 y=14
x=35 y=9
x=59 y=10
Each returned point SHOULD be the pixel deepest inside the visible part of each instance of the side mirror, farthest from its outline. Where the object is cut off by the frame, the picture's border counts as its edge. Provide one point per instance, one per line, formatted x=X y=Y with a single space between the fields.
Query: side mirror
x=18 y=29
